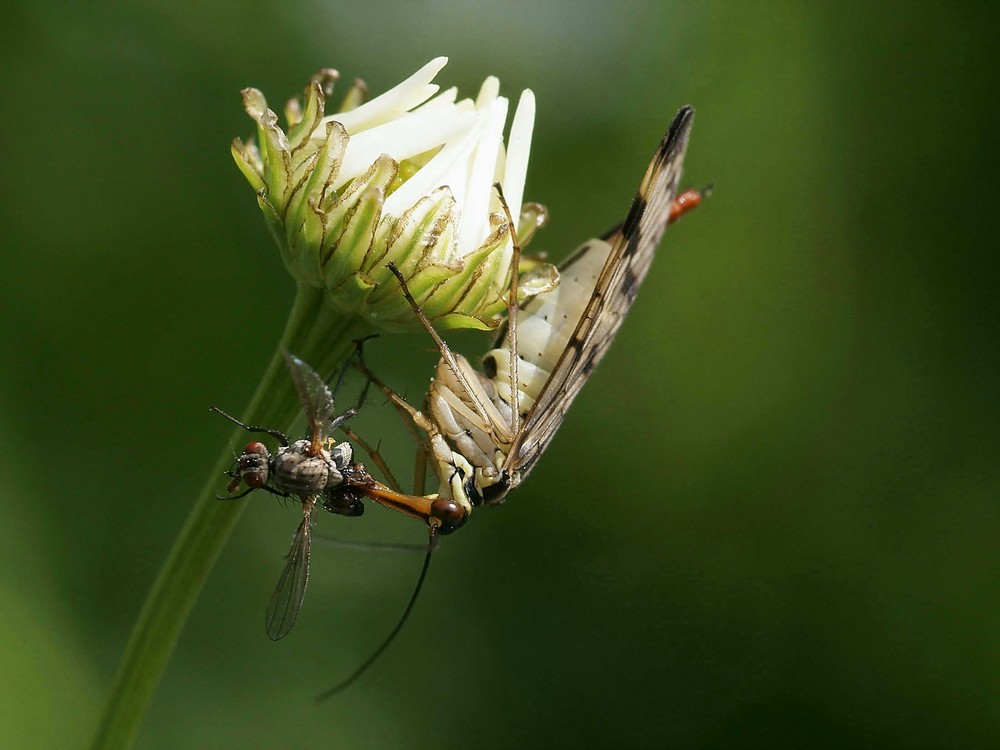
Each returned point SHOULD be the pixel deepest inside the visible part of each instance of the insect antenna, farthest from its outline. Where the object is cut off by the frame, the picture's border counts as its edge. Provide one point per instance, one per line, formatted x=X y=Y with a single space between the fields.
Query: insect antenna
x=276 y=434
x=432 y=543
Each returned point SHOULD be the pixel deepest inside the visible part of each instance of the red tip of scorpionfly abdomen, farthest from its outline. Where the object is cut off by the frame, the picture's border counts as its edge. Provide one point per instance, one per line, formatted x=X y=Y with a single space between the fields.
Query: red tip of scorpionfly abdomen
x=686 y=201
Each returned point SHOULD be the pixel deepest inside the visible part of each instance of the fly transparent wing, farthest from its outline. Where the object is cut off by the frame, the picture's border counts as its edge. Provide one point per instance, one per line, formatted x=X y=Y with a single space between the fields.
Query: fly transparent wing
x=286 y=601
x=317 y=401
x=633 y=245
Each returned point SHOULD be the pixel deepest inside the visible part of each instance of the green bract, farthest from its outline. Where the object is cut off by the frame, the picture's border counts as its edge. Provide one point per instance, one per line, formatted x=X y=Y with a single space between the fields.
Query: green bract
x=408 y=178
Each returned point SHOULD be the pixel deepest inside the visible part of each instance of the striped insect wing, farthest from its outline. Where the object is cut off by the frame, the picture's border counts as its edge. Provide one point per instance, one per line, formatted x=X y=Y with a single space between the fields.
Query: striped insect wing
x=618 y=263
x=314 y=394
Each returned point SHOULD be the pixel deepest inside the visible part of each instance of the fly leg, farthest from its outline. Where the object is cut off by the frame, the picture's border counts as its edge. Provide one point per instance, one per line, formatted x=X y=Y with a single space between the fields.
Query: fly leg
x=353 y=411
x=397 y=400
x=278 y=435
x=512 y=308
x=248 y=490
x=412 y=418
x=446 y=354
x=375 y=455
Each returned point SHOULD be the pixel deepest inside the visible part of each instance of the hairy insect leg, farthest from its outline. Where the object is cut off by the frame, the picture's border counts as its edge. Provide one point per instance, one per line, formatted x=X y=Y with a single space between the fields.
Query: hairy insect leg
x=441 y=344
x=276 y=434
x=241 y=495
x=412 y=419
x=446 y=354
x=248 y=490
x=397 y=400
x=375 y=455
x=342 y=371
x=512 y=308
x=339 y=375
x=353 y=411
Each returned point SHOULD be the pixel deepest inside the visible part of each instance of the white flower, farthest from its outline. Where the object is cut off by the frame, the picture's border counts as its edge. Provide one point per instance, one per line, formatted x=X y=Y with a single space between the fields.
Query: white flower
x=406 y=177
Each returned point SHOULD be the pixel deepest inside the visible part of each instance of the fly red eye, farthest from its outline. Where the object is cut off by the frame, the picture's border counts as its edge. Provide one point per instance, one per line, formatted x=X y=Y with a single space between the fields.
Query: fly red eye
x=256 y=448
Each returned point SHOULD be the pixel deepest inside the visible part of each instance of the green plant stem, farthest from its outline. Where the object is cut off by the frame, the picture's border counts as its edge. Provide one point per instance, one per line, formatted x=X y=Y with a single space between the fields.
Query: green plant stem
x=321 y=337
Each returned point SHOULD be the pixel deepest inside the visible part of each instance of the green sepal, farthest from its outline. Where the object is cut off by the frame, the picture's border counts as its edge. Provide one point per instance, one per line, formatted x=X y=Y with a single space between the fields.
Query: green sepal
x=248 y=160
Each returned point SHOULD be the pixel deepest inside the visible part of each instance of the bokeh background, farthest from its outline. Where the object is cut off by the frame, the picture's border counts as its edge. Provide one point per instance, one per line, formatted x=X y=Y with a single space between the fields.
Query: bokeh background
x=771 y=518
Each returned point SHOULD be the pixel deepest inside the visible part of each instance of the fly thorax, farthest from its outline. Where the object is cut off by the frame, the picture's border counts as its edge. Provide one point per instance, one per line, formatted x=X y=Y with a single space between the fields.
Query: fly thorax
x=296 y=471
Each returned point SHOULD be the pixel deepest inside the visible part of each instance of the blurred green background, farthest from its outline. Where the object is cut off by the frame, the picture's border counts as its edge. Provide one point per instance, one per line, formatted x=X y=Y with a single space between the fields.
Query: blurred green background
x=771 y=518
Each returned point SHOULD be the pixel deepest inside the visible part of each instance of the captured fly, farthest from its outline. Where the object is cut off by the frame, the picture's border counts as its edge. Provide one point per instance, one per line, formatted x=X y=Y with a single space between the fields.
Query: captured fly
x=314 y=471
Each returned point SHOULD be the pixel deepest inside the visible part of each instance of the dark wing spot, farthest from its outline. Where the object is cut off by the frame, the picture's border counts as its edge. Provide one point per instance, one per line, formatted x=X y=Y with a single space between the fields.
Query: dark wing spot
x=634 y=215
x=490 y=367
x=630 y=282
x=633 y=243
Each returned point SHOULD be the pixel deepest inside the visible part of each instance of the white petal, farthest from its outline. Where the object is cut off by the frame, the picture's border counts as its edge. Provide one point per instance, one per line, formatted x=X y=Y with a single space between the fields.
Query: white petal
x=489 y=91
x=447 y=167
x=401 y=139
x=518 y=151
x=388 y=106
x=446 y=97
x=476 y=206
